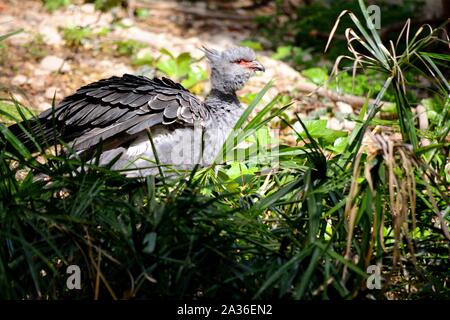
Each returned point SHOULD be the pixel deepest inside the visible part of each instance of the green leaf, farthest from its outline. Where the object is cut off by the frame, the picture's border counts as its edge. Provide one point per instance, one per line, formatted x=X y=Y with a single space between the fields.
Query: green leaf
x=439 y=56
x=169 y=67
x=239 y=169
x=142 y=13
x=317 y=75
x=52 y=5
x=252 y=45
x=283 y=269
x=146 y=59
x=339 y=145
x=318 y=130
x=195 y=76
x=183 y=62
x=282 y=53
x=176 y=68
x=166 y=52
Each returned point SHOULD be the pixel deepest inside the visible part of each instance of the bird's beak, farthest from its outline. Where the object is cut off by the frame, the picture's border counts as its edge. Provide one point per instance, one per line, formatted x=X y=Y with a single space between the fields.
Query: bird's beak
x=256 y=65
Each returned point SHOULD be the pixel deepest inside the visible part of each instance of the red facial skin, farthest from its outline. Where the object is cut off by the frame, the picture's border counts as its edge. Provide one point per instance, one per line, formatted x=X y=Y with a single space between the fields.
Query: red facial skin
x=246 y=64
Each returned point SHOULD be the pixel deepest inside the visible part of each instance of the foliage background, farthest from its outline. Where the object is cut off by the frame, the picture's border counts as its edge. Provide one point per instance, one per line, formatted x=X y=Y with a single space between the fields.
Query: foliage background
x=338 y=202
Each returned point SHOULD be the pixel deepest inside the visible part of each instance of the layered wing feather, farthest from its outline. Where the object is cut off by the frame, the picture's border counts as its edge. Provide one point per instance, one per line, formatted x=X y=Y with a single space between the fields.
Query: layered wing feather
x=118 y=105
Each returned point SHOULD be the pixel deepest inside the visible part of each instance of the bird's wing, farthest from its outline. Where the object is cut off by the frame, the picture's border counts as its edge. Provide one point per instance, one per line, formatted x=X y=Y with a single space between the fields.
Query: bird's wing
x=127 y=104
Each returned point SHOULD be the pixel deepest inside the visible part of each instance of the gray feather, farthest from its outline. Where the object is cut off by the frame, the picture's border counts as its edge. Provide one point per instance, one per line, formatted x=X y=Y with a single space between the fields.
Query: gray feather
x=150 y=122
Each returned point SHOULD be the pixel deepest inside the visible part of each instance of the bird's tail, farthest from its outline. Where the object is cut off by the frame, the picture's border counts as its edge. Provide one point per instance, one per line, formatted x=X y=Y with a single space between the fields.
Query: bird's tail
x=34 y=134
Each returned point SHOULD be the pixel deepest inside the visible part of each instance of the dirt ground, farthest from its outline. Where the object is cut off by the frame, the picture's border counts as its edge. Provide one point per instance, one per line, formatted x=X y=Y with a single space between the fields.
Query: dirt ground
x=24 y=62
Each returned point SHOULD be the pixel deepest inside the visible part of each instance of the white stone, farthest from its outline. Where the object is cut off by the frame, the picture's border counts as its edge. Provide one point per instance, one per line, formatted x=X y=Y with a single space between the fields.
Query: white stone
x=105 y=64
x=335 y=124
x=127 y=22
x=19 y=80
x=344 y=107
x=138 y=34
x=66 y=67
x=349 y=125
x=51 y=63
x=38 y=82
x=118 y=70
x=51 y=35
x=5 y=21
x=88 y=8
x=20 y=39
x=39 y=72
x=52 y=91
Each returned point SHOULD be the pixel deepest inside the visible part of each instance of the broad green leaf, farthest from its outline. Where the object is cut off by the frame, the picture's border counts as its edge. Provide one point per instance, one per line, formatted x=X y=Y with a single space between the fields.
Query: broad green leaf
x=317 y=75
x=239 y=169
x=282 y=53
x=252 y=45
x=318 y=130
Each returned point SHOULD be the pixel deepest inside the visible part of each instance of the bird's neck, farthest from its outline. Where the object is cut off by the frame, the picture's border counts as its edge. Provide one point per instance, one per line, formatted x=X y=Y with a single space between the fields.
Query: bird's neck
x=222 y=83
x=222 y=96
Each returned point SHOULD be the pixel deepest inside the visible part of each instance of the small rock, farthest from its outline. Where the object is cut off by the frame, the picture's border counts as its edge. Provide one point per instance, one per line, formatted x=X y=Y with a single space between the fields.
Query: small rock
x=65 y=68
x=344 y=107
x=5 y=21
x=44 y=106
x=52 y=92
x=105 y=64
x=38 y=82
x=21 y=39
x=138 y=34
x=118 y=70
x=53 y=63
x=51 y=35
x=38 y=72
x=88 y=8
x=127 y=22
x=349 y=125
x=19 y=80
x=201 y=5
x=335 y=124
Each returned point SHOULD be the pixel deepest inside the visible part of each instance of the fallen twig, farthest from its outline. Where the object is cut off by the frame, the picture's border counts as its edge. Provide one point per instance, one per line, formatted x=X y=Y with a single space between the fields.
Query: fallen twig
x=354 y=101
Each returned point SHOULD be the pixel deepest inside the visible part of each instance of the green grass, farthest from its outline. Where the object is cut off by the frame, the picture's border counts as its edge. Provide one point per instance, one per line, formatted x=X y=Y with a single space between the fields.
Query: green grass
x=128 y=47
x=52 y=5
x=9 y=112
x=76 y=36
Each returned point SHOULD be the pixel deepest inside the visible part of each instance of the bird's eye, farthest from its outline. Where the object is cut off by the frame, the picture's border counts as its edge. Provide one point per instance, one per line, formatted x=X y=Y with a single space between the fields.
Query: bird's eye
x=241 y=61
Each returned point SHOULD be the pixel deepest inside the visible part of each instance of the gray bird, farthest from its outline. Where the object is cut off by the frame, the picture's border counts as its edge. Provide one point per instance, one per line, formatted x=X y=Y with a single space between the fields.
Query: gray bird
x=116 y=113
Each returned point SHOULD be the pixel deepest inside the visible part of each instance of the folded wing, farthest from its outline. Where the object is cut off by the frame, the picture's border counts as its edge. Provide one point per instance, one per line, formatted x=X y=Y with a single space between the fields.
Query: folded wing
x=118 y=107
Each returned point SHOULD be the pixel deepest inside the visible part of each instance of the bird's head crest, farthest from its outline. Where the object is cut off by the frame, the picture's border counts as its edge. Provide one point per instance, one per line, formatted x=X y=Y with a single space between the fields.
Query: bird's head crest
x=211 y=54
